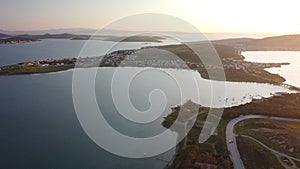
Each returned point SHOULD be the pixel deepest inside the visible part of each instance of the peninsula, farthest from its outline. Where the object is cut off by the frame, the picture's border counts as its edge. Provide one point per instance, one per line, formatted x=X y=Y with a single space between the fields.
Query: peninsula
x=256 y=128
x=236 y=69
x=229 y=50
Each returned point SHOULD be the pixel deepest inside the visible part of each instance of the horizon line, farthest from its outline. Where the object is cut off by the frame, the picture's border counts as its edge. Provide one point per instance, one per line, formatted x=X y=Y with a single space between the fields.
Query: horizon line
x=95 y=29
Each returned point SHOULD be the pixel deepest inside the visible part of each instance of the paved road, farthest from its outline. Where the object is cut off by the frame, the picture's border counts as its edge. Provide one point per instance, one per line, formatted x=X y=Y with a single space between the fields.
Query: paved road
x=230 y=136
x=272 y=150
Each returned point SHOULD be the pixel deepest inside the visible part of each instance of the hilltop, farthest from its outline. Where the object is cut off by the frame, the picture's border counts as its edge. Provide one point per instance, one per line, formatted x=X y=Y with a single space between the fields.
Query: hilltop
x=2 y=35
x=275 y=43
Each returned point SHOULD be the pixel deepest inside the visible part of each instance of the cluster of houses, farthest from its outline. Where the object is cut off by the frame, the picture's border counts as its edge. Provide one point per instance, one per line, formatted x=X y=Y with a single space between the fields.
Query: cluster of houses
x=14 y=42
x=241 y=64
x=115 y=58
x=88 y=61
x=17 y=40
x=42 y=63
x=111 y=59
x=132 y=58
x=156 y=63
x=50 y=62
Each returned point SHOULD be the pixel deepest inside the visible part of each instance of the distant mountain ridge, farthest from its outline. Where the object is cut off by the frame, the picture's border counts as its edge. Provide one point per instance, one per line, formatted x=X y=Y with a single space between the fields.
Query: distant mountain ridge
x=4 y=35
x=116 y=32
x=283 y=42
x=24 y=38
x=51 y=31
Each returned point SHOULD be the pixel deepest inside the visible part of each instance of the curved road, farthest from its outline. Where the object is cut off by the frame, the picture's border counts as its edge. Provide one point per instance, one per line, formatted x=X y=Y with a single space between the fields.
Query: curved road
x=272 y=150
x=231 y=140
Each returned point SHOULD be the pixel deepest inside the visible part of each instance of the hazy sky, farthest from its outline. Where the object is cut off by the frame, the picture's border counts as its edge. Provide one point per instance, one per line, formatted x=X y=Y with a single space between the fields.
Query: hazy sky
x=206 y=15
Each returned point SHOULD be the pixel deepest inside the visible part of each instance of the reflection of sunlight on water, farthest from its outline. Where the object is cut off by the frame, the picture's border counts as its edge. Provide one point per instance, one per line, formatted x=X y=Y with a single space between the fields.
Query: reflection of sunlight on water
x=237 y=93
x=289 y=72
x=177 y=92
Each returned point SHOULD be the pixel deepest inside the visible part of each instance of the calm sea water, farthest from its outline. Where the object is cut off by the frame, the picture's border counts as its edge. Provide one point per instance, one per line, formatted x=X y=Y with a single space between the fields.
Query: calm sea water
x=39 y=127
x=55 y=48
x=289 y=72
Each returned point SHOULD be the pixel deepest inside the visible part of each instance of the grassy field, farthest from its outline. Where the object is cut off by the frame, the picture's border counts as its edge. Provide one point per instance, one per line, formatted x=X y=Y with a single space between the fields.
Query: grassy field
x=229 y=58
x=282 y=136
x=256 y=156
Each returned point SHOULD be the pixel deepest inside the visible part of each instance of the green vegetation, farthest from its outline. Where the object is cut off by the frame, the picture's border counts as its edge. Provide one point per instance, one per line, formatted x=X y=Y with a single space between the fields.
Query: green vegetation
x=216 y=147
x=19 y=69
x=276 y=43
x=284 y=105
x=282 y=136
x=256 y=156
x=235 y=68
x=31 y=38
x=214 y=153
x=297 y=163
x=191 y=154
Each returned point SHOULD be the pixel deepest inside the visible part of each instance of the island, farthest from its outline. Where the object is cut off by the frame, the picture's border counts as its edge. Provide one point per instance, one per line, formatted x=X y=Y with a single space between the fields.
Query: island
x=26 y=38
x=274 y=43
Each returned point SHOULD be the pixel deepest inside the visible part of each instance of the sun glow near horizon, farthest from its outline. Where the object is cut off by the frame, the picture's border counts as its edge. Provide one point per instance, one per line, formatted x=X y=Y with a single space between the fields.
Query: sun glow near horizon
x=234 y=16
x=243 y=16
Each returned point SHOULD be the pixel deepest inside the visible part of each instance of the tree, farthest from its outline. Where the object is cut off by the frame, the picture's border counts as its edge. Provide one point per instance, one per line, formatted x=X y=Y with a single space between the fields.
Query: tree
x=227 y=164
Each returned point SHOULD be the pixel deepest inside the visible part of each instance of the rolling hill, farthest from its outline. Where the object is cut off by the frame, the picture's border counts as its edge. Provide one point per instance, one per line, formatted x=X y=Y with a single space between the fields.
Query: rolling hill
x=284 y=42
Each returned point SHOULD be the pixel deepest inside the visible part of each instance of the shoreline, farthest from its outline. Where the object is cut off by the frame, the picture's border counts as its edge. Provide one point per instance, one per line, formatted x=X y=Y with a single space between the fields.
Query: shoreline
x=235 y=67
x=285 y=70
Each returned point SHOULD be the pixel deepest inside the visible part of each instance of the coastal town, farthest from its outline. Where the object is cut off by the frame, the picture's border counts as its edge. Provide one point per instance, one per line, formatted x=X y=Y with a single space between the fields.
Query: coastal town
x=214 y=153
x=41 y=63
x=17 y=40
x=131 y=58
